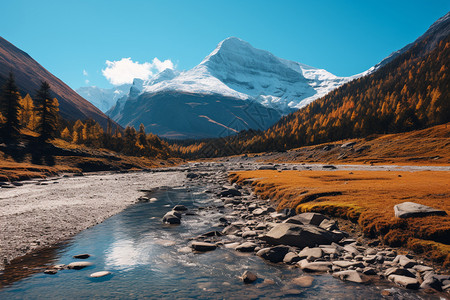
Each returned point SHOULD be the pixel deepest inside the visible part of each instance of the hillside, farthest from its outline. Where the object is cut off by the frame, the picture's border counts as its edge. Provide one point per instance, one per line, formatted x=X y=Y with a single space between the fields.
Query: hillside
x=408 y=93
x=29 y=74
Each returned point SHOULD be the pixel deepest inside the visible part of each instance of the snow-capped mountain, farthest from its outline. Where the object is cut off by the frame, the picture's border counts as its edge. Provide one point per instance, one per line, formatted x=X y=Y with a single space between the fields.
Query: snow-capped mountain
x=236 y=69
x=235 y=87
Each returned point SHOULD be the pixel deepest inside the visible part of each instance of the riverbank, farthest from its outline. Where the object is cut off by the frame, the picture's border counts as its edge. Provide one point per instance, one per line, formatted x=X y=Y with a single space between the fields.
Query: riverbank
x=41 y=213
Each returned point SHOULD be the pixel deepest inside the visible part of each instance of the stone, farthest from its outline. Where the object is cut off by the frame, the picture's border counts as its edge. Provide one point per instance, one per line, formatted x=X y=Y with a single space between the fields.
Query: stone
x=291 y=258
x=203 y=246
x=369 y=271
x=231 y=229
x=51 y=271
x=404 y=281
x=79 y=265
x=100 y=274
x=303 y=281
x=171 y=218
x=298 y=235
x=259 y=212
x=431 y=283
x=422 y=268
x=230 y=192
x=352 y=250
x=310 y=218
x=411 y=210
x=350 y=275
x=179 y=207
x=318 y=266
x=311 y=253
x=398 y=271
x=273 y=254
x=405 y=261
x=347 y=264
x=246 y=247
x=329 y=225
x=249 y=277
x=82 y=256
x=249 y=233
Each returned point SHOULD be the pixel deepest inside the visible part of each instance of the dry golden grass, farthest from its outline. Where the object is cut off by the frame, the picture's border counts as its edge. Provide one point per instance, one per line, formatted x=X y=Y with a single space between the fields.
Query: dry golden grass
x=14 y=171
x=366 y=197
x=429 y=146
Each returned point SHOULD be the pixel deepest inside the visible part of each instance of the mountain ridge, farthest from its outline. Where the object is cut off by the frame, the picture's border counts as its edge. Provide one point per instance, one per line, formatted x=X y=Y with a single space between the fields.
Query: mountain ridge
x=29 y=74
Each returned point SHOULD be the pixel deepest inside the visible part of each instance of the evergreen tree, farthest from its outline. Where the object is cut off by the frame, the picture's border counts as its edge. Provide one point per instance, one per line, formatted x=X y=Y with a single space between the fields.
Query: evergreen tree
x=47 y=109
x=10 y=110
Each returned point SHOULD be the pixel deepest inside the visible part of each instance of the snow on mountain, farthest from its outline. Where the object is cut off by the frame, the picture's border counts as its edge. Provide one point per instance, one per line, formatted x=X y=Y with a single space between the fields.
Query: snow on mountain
x=103 y=99
x=236 y=69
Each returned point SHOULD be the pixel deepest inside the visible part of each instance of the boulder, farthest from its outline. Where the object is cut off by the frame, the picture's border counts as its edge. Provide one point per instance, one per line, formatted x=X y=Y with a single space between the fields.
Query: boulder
x=249 y=233
x=398 y=271
x=404 y=281
x=350 y=275
x=291 y=258
x=230 y=193
x=318 y=266
x=203 y=246
x=405 y=261
x=249 y=277
x=231 y=229
x=179 y=207
x=171 y=218
x=432 y=283
x=246 y=247
x=274 y=254
x=311 y=253
x=411 y=209
x=344 y=264
x=329 y=225
x=298 y=235
x=79 y=265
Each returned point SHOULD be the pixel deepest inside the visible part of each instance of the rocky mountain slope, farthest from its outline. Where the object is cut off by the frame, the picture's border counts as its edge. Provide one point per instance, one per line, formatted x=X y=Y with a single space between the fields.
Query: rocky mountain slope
x=29 y=74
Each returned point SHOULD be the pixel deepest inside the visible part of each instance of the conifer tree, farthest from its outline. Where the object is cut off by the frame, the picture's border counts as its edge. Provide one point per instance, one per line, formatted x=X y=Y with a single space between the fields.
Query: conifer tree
x=47 y=109
x=10 y=110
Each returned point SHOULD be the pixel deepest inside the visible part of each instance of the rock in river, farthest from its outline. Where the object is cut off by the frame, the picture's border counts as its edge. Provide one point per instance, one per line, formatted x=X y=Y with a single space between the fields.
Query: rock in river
x=350 y=275
x=79 y=265
x=298 y=235
x=82 y=256
x=171 y=218
x=100 y=274
x=246 y=247
x=203 y=246
x=249 y=277
x=273 y=254
x=179 y=207
x=411 y=209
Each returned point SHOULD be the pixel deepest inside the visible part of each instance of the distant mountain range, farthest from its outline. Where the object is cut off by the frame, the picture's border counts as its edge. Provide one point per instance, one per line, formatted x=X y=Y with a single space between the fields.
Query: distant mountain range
x=29 y=74
x=407 y=91
x=235 y=73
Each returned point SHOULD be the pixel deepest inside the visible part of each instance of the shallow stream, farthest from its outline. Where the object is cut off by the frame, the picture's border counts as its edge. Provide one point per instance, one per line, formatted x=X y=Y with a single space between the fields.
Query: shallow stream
x=150 y=260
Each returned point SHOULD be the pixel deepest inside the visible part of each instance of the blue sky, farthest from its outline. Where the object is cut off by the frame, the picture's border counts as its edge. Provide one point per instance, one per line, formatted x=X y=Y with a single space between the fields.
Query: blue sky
x=70 y=38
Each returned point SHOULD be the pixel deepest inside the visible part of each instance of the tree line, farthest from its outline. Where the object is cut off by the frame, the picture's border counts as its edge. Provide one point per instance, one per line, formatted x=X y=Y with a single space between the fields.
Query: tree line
x=23 y=118
x=409 y=93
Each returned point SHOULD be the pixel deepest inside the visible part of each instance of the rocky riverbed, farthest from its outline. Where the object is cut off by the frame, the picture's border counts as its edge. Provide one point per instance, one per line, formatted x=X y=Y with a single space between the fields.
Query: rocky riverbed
x=312 y=242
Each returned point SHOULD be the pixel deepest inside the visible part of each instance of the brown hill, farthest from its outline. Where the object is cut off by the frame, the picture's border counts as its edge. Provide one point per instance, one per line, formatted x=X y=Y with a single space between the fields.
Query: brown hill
x=29 y=74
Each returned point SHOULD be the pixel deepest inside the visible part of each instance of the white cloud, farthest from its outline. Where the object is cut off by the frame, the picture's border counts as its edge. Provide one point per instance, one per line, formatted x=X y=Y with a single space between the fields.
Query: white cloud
x=85 y=73
x=86 y=81
x=125 y=70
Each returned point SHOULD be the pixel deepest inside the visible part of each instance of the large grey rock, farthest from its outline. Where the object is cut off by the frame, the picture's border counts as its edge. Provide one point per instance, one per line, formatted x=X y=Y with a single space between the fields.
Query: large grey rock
x=291 y=258
x=407 y=282
x=404 y=261
x=79 y=265
x=310 y=218
x=311 y=253
x=344 y=264
x=411 y=209
x=398 y=271
x=179 y=207
x=274 y=254
x=100 y=274
x=298 y=235
x=171 y=218
x=230 y=193
x=203 y=246
x=350 y=275
x=318 y=266
x=246 y=247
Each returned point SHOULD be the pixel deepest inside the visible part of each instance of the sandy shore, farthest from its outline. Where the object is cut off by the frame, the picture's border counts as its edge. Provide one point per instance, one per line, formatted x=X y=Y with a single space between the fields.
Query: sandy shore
x=34 y=216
